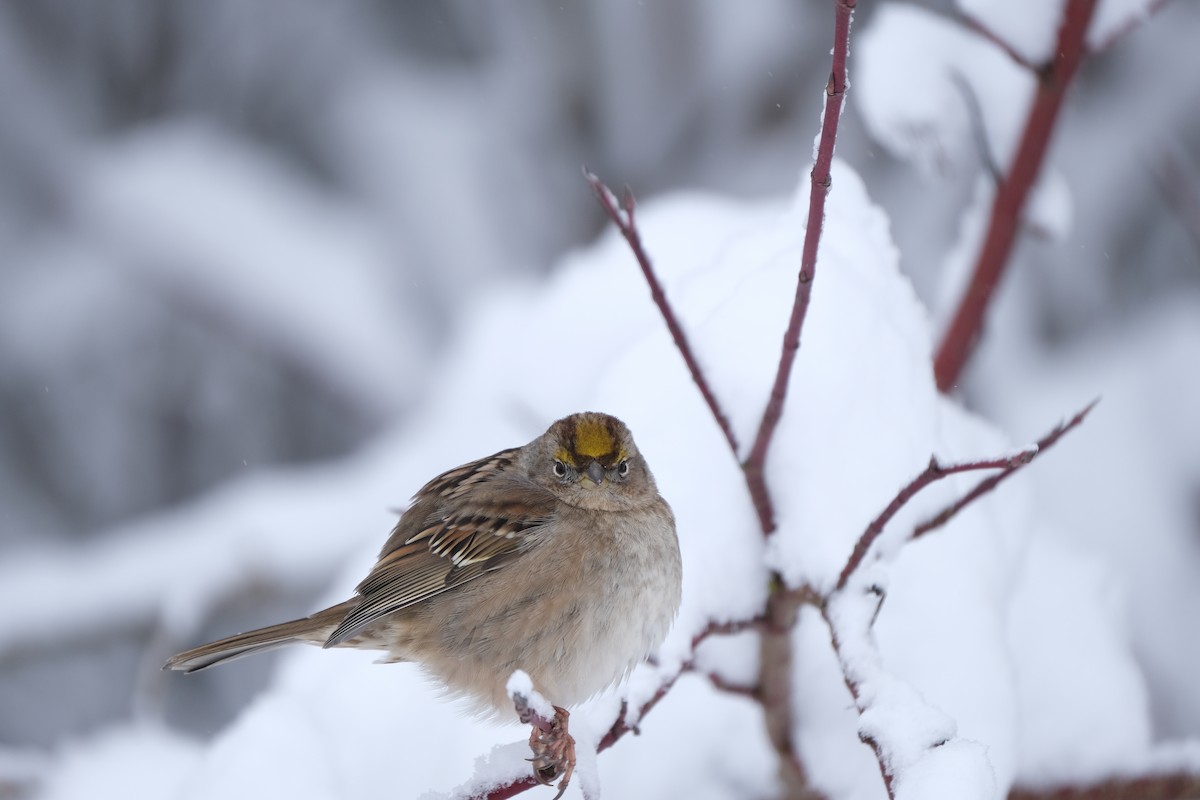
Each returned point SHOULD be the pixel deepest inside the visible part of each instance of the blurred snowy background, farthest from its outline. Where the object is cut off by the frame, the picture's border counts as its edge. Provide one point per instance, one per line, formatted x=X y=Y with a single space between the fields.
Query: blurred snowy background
x=245 y=247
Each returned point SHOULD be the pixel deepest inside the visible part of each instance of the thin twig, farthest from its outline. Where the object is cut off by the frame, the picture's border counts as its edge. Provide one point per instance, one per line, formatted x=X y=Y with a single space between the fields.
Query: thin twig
x=1170 y=786
x=1053 y=80
x=626 y=223
x=983 y=30
x=856 y=694
x=1131 y=24
x=621 y=725
x=775 y=671
x=977 y=126
x=991 y=482
x=821 y=180
x=932 y=473
x=1008 y=465
x=935 y=472
x=775 y=645
x=729 y=687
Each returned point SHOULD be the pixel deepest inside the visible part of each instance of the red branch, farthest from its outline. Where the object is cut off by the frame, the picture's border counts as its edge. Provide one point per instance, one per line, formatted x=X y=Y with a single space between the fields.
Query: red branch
x=621 y=725
x=856 y=693
x=987 y=484
x=619 y=728
x=1172 y=786
x=935 y=472
x=1053 y=80
x=987 y=33
x=628 y=227
x=821 y=180
x=512 y=790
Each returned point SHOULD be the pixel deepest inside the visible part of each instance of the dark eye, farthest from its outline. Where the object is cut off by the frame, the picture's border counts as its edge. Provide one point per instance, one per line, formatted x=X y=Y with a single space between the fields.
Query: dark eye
x=560 y=469
x=623 y=468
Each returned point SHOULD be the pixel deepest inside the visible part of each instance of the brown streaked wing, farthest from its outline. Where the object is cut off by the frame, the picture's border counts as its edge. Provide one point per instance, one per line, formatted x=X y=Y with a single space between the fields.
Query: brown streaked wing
x=447 y=487
x=455 y=545
x=456 y=482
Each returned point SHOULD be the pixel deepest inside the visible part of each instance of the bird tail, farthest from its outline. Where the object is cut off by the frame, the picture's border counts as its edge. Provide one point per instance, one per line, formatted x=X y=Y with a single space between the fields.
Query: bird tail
x=313 y=630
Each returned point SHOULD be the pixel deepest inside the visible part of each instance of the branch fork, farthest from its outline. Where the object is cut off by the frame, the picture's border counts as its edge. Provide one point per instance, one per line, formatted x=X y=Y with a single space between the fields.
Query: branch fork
x=775 y=625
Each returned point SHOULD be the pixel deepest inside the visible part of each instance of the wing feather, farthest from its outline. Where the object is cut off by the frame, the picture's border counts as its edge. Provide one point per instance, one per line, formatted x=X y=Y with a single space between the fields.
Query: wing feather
x=462 y=524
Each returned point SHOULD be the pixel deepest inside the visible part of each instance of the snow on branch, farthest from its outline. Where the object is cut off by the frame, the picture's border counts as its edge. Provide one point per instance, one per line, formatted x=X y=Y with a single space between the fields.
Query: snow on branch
x=895 y=722
x=1013 y=192
x=1007 y=464
x=534 y=710
x=851 y=615
x=1054 y=78
x=821 y=181
x=774 y=688
x=987 y=484
x=931 y=474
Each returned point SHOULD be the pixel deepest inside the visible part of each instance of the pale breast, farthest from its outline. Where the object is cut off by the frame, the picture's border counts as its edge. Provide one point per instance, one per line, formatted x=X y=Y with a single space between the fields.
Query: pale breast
x=577 y=613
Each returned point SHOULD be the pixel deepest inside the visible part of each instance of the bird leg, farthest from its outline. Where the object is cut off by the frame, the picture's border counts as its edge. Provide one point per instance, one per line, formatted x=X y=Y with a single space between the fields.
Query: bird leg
x=553 y=751
x=552 y=745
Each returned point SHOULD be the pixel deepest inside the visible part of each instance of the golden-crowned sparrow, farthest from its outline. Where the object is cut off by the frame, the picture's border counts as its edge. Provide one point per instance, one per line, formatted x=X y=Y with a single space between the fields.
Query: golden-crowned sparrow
x=558 y=558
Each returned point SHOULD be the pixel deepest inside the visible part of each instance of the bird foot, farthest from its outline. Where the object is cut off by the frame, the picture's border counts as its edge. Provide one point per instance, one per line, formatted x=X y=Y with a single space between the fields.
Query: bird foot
x=553 y=751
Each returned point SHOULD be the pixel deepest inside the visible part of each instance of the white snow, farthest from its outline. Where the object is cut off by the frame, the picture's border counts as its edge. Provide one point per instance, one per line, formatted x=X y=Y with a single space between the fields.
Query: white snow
x=958 y=681
x=1031 y=27
x=996 y=651
x=521 y=685
x=146 y=762
x=1049 y=209
x=925 y=84
x=1120 y=493
x=1045 y=636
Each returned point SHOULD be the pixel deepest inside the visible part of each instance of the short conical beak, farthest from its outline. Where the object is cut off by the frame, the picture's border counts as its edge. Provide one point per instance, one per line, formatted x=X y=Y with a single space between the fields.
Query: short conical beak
x=596 y=472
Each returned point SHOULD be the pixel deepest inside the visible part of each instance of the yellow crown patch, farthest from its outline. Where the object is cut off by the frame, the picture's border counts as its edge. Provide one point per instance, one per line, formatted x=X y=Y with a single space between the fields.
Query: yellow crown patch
x=593 y=439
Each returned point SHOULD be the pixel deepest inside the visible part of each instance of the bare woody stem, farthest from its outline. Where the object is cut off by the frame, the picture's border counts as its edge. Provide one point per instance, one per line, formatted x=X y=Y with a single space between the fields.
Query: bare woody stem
x=932 y=473
x=622 y=726
x=856 y=694
x=987 y=33
x=987 y=484
x=1053 y=80
x=628 y=227
x=776 y=646
x=935 y=472
x=1168 y=786
x=821 y=180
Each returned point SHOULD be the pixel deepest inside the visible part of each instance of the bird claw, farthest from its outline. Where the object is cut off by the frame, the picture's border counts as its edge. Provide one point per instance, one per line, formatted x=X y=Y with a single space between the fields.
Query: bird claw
x=553 y=752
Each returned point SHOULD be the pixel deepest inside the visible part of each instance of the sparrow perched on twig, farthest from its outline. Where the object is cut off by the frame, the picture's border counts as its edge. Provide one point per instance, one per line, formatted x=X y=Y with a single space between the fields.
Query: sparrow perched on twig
x=558 y=558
